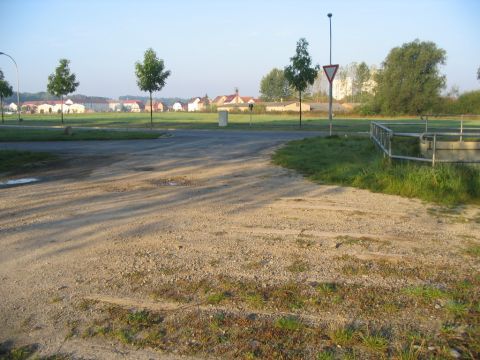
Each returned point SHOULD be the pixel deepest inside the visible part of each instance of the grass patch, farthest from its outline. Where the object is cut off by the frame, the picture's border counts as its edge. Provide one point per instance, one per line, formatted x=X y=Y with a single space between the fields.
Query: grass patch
x=427 y=293
x=298 y=266
x=354 y=161
x=14 y=160
x=26 y=134
x=275 y=323
x=290 y=323
x=473 y=250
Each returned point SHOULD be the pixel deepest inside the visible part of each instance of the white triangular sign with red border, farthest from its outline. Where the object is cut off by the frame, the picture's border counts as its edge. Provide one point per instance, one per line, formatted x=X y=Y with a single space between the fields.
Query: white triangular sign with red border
x=330 y=71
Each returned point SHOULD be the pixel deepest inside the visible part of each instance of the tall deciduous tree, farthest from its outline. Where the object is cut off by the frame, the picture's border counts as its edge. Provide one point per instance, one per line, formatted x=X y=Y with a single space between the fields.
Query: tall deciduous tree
x=478 y=73
x=151 y=75
x=62 y=82
x=274 y=86
x=5 y=91
x=410 y=81
x=301 y=73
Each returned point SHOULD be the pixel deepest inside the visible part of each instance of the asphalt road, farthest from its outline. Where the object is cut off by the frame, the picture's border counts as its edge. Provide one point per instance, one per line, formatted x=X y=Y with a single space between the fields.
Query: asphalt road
x=217 y=142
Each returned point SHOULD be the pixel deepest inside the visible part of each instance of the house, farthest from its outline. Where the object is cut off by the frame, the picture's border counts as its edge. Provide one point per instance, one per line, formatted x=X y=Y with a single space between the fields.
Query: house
x=286 y=106
x=157 y=106
x=178 y=106
x=30 y=106
x=133 y=105
x=114 y=105
x=77 y=108
x=230 y=99
x=45 y=108
x=198 y=104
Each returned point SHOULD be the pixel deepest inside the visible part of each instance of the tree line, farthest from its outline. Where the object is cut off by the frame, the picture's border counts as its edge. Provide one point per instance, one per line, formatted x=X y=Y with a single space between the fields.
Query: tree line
x=408 y=82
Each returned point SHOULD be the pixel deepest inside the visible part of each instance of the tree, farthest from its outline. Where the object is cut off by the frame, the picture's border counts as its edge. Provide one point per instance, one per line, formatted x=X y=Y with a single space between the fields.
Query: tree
x=5 y=91
x=301 y=73
x=360 y=78
x=151 y=75
x=478 y=73
x=274 y=86
x=409 y=81
x=62 y=82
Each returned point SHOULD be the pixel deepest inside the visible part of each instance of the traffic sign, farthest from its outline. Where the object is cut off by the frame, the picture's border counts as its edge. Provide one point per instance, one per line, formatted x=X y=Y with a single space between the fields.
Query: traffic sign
x=330 y=71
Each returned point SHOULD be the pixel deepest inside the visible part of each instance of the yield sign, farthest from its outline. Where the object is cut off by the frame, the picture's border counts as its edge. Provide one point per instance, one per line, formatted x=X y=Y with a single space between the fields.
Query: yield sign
x=330 y=71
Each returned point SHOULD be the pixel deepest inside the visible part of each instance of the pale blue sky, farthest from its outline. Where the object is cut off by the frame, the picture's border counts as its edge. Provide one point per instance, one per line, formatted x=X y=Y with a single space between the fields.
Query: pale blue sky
x=213 y=46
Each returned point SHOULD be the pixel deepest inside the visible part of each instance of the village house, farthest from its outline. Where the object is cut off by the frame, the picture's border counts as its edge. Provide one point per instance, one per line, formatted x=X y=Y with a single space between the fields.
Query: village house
x=198 y=104
x=133 y=105
x=178 y=106
x=157 y=106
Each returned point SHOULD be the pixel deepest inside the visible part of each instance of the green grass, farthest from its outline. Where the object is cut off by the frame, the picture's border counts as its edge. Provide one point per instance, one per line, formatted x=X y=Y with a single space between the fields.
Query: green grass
x=354 y=161
x=184 y=120
x=288 y=323
x=14 y=160
x=26 y=134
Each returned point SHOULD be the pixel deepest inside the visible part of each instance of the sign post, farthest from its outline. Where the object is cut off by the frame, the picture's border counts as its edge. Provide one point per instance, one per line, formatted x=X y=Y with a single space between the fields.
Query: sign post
x=330 y=71
x=250 y=106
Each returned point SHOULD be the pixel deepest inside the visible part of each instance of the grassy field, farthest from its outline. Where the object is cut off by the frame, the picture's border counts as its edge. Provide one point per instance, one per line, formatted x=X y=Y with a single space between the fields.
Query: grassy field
x=13 y=160
x=26 y=134
x=354 y=161
x=183 y=120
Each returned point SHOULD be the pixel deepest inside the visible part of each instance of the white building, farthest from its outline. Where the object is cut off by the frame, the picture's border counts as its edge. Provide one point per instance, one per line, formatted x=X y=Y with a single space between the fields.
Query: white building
x=45 y=109
x=12 y=107
x=193 y=104
x=178 y=106
x=342 y=88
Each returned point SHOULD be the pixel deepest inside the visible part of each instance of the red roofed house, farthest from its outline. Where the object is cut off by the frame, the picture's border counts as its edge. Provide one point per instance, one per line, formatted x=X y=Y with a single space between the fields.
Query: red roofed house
x=157 y=106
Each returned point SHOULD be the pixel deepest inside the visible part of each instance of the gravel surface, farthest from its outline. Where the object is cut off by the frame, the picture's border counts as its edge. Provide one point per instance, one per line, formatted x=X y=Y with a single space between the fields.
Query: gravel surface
x=195 y=205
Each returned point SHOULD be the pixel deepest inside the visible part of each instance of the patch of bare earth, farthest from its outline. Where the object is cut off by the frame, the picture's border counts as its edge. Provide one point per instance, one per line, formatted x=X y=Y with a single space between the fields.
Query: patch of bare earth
x=156 y=256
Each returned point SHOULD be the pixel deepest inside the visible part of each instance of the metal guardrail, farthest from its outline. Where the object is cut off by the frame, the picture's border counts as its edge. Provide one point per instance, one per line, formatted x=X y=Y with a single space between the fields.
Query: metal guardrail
x=382 y=136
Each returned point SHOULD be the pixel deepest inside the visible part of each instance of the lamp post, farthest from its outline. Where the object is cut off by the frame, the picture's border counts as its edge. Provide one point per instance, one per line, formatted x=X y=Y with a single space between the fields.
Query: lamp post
x=18 y=86
x=331 y=85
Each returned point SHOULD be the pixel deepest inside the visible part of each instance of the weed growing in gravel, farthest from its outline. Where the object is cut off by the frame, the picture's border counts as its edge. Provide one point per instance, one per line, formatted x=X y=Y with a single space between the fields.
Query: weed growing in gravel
x=298 y=266
x=473 y=250
x=427 y=293
x=343 y=336
x=288 y=323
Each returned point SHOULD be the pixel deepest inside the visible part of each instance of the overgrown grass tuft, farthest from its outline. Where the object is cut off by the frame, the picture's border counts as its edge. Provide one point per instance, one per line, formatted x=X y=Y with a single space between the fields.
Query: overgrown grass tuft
x=354 y=161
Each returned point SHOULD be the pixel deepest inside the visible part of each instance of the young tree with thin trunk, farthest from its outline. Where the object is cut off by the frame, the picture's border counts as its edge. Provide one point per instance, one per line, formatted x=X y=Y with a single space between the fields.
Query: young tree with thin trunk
x=151 y=76
x=301 y=73
x=5 y=91
x=62 y=82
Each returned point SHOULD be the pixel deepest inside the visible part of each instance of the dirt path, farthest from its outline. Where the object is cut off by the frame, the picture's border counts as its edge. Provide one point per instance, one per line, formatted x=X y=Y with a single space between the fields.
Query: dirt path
x=122 y=220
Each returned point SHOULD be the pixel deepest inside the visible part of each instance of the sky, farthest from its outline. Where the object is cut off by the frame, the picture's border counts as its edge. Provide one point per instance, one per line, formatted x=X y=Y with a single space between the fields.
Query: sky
x=213 y=46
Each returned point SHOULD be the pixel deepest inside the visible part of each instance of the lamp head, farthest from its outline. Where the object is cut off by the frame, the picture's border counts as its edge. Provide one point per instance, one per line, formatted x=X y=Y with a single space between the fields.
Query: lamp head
x=329 y=15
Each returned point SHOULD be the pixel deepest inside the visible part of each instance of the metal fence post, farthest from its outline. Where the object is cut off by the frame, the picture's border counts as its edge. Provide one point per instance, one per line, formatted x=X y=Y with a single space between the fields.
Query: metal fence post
x=461 y=129
x=390 y=145
x=426 y=123
x=434 y=148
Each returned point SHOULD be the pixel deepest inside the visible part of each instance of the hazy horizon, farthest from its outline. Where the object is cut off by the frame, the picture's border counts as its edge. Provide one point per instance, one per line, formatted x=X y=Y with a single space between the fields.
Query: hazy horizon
x=211 y=47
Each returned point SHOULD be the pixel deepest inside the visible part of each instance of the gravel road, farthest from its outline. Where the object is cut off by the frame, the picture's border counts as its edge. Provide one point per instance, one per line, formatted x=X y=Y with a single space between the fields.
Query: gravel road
x=194 y=205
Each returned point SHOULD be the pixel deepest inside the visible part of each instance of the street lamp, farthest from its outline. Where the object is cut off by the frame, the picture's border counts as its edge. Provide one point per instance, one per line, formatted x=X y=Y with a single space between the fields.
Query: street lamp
x=18 y=85
x=331 y=85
